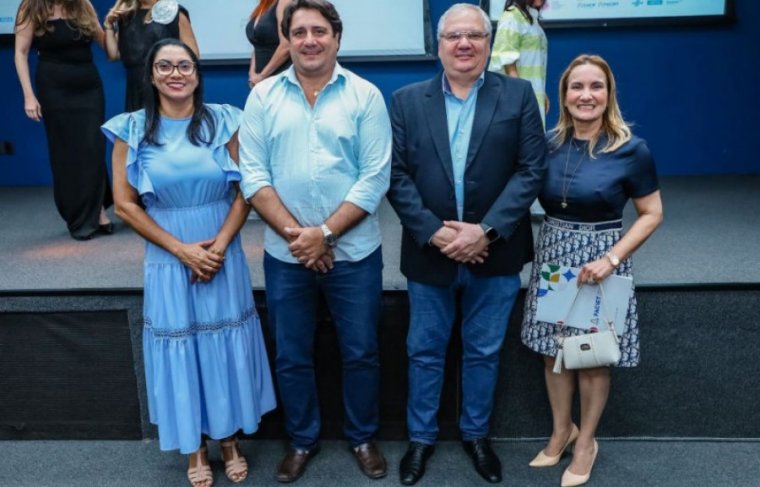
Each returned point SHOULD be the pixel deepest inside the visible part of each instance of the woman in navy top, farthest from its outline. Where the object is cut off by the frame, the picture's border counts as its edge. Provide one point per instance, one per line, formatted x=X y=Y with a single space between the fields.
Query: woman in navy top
x=595 y=166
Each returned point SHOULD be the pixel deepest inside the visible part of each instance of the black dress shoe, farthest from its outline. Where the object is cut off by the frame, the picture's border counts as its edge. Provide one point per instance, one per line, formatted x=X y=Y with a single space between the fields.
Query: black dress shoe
x=294 y=464
x=106 y=228
x=485 y=460
x=412 y=466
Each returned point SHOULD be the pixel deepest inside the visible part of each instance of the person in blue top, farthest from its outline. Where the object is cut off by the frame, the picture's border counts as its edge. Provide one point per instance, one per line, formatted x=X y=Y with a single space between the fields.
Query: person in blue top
x=595 y=165
x=315 y=151
x=206 y=368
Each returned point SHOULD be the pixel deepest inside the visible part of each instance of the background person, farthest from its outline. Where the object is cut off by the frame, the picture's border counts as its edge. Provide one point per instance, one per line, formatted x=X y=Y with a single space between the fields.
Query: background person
x=70 y=105
x=130 y=32
x=271 y=53
x=206 y=368
x=595 y=166
x=520 y=48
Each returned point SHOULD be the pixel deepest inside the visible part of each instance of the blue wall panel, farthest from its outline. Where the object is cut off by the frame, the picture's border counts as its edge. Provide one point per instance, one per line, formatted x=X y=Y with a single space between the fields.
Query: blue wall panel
x=689 y=90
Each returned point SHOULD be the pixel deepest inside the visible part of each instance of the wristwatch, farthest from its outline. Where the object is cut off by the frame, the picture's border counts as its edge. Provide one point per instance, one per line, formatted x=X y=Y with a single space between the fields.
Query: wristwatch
x=614 y=260
x=330 y=239
x=491 y=234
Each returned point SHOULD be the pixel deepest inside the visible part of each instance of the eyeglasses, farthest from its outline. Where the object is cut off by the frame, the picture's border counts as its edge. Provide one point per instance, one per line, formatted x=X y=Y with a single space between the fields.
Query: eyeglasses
x=165 y=68
x=470 y=35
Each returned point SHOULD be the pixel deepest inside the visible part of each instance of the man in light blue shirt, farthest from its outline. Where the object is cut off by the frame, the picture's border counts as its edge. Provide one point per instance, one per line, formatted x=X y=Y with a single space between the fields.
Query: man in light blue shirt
x=315 y=150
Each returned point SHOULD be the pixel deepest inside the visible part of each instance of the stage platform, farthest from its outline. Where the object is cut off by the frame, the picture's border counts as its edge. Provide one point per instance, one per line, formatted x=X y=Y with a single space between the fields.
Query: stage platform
x=711 y=236
x=71 y=349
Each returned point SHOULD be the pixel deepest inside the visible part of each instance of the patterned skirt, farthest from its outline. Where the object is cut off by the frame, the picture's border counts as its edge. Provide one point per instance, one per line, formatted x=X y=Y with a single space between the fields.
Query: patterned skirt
x=575 y=244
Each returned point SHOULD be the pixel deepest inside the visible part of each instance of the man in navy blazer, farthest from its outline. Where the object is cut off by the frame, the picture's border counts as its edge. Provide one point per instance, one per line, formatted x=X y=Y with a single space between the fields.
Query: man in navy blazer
x=468 y=161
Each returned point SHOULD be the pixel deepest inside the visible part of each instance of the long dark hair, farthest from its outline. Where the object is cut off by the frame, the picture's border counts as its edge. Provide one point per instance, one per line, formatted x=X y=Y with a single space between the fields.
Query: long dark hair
x=522 y=6
x=202 y=128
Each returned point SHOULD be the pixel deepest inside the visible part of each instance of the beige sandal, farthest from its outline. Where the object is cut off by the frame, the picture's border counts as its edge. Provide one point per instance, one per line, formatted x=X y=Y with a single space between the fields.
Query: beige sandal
x=200 y=475
x=236 y=468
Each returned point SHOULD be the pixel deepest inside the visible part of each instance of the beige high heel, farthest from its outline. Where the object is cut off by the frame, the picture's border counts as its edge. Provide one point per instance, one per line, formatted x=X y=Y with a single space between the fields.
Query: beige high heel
x=570 y=479
x=544 y=460
x=200 y=475
x=235 y=468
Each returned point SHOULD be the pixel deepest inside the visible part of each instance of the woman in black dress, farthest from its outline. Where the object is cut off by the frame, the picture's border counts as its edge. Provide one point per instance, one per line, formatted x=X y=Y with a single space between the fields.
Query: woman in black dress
x=70 y=103
x=595 y=166
x=270 y=47
x=130 y=31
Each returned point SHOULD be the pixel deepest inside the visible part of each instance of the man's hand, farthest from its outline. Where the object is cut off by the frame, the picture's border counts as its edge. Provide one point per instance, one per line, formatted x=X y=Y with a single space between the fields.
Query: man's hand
x=307 y=244
x=443 y=237
x=470 y=244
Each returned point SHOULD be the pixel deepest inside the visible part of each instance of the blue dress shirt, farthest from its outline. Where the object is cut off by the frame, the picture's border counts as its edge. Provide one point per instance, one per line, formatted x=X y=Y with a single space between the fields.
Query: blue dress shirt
x=317 y=157
x=459 y=116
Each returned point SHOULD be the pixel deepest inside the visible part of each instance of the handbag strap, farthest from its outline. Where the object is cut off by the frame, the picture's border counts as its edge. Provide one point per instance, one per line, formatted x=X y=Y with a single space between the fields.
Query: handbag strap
x=605 y=315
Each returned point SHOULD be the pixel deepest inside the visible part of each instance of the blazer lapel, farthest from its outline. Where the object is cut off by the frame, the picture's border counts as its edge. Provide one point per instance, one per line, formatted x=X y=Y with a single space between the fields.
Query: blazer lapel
x=435 y=113
x=485 y=107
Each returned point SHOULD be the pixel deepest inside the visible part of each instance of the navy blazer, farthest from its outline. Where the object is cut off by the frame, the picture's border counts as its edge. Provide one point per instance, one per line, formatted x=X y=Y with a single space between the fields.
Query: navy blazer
x=504 y=172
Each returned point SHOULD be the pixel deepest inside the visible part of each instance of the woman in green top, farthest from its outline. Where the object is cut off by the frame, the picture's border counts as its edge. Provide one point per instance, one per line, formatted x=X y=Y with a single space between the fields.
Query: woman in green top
x=520 y=47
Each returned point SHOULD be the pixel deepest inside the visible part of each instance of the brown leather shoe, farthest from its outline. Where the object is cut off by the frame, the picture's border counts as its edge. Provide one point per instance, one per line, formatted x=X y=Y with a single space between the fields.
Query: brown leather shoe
x=294 y=464
x=371 y=461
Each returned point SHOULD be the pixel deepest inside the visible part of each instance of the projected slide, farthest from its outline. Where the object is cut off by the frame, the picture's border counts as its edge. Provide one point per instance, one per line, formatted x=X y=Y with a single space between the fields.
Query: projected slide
x=370 y=28
x=8 y=10
x=580 y=10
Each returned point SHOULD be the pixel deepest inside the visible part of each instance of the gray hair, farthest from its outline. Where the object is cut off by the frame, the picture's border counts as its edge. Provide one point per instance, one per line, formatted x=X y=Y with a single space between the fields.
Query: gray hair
x=458 y=7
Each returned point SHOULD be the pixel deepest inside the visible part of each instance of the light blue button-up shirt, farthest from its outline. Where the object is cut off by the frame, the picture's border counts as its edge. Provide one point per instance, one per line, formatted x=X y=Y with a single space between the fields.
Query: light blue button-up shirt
x=317 y=157
x=460 y=115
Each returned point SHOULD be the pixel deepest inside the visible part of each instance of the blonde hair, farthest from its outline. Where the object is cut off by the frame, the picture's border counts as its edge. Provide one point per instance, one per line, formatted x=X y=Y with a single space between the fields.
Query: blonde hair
x=132 y=6
x=79 y=15
x=616 y=129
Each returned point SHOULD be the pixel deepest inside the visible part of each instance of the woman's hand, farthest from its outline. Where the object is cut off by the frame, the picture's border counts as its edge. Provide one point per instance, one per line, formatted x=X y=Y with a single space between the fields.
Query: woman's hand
x=595 y=271
x=253 y=79
x=113 y=16
x=203 y=263
x=32 y=108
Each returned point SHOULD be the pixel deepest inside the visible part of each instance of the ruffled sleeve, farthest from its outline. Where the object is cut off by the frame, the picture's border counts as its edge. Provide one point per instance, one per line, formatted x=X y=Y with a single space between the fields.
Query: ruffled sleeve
x=227 y=120
x=130 y=128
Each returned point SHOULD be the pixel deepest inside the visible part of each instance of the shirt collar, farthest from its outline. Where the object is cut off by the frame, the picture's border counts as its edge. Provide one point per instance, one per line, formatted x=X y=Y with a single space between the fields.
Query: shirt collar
x=338 y=72
x=446 y=86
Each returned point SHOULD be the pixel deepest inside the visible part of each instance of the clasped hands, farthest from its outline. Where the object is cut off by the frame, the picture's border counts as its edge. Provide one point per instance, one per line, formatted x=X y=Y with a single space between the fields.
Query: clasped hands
x=307 y=244
x=462 y=242
x=204 y=259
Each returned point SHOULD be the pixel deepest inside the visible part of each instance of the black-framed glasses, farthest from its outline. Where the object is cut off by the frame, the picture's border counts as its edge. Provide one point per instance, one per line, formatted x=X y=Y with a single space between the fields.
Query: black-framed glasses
x=165 y=68
x=470 y=35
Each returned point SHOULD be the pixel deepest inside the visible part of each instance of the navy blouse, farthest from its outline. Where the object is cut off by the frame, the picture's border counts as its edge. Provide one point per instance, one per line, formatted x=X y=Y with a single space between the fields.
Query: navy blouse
x=597 y=189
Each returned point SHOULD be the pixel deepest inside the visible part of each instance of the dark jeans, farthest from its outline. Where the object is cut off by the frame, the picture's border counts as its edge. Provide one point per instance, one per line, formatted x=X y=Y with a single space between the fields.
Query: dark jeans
x=353 y=291
x=486 y=306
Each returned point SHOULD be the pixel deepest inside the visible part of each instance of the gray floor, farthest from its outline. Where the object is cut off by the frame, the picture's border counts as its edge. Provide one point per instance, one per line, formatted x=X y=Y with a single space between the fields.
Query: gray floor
x=711 y=233
x=620 y=463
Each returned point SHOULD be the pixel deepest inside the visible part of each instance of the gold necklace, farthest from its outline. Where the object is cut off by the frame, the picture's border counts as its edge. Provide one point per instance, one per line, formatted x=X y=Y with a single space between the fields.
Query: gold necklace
x=565 y=182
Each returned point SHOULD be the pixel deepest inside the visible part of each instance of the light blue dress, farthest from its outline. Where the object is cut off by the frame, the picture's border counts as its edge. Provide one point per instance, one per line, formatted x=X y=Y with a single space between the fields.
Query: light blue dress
x=206 y=365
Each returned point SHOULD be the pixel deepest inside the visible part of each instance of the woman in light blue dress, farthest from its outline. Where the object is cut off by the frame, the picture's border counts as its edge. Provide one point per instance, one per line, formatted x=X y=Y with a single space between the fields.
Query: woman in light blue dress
x=206 y=367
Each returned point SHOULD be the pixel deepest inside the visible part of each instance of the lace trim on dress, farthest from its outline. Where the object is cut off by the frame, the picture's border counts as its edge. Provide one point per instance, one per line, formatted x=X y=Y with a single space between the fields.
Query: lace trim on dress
x=200 y=327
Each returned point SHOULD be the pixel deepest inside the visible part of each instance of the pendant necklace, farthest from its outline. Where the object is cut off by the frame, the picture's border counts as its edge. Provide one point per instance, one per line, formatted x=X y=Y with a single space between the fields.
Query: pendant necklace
x=566 y=183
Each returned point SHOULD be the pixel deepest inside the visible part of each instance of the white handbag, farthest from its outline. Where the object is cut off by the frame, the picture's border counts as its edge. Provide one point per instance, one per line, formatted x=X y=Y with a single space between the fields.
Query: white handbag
x=599 y=349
